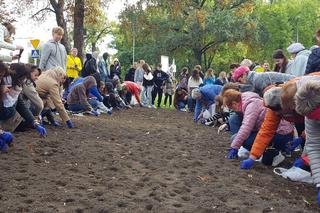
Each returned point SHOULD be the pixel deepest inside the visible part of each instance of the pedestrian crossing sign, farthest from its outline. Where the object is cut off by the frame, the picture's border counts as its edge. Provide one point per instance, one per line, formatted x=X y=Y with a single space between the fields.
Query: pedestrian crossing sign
x=35 y=53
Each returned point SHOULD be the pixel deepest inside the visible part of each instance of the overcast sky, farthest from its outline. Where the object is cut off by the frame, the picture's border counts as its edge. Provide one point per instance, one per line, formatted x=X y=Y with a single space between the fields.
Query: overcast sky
x=27 y=28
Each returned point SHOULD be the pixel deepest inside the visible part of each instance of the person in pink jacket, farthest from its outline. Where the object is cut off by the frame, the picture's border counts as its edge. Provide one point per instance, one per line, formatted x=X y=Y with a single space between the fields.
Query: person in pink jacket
x=245 y=122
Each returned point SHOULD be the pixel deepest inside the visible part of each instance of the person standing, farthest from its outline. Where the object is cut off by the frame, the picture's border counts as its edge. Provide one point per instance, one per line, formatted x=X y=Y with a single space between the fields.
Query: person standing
x=148 y=83
x=300 y=59
x=130 y=74
x=159 y=78
x=313 y=64
x=53 y=53
x=138 y=74
x=74 y=65
x=115 y=69
x=6 y=31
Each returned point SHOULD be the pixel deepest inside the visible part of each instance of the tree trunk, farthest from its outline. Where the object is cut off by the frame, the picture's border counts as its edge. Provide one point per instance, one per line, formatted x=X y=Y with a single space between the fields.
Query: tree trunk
x=58 y=8
x=78 y=35
x=93 y=46
x=197 y=56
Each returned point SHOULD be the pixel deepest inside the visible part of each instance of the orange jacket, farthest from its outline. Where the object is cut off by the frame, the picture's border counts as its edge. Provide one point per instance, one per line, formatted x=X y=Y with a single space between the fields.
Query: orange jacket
x=268 y=130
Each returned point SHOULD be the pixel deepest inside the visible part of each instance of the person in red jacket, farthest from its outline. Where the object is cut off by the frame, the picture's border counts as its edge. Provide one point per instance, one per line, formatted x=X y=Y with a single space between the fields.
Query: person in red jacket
x=134 y=89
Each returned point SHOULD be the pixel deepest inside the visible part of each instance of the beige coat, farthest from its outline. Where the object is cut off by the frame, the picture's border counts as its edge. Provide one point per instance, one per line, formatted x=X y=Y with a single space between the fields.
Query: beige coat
x=48 y=87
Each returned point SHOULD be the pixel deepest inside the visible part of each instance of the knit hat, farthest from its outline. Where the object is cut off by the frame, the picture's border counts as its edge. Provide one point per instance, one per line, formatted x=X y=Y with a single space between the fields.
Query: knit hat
x=246 y=62
x=272 y=98
x=295 y=48
x=239 y=72
x=308 y=100
x=196 y=94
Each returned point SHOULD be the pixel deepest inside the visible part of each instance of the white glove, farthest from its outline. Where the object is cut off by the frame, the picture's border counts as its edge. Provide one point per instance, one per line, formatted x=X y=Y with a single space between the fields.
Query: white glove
x=223 y=127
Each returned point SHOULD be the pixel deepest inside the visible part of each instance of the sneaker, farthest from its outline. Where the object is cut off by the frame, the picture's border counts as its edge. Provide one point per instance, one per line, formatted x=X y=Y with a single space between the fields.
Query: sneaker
x=153 y=106
x=278 y=159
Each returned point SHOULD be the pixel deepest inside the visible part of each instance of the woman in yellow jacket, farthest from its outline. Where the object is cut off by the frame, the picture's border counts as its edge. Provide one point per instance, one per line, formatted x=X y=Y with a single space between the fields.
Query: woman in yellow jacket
x=74 y=65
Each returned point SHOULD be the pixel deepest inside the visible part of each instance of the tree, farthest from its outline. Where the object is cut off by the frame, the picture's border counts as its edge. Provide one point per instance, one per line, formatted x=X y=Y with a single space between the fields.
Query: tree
x=78 y=34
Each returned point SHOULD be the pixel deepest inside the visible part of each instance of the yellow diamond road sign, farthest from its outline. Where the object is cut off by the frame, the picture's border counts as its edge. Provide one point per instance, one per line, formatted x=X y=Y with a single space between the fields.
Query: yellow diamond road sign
x=35 y=43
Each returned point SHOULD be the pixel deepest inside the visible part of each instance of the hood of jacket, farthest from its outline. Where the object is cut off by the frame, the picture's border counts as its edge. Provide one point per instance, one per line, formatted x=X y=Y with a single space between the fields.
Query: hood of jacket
x=89 y=82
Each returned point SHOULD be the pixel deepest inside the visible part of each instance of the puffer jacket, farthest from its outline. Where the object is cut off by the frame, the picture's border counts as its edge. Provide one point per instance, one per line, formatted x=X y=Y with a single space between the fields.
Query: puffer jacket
x=313 y=64
x=253 y=115
x=261 y=80
x=79 y=94
x=254 y=110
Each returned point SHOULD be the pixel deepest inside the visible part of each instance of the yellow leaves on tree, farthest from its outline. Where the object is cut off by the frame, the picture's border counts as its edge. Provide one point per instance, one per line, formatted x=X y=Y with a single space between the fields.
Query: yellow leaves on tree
x=201 y=18
x=93 y=12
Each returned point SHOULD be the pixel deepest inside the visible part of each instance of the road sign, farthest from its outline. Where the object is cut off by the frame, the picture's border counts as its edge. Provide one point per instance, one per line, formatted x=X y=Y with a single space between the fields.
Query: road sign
x=35 y=43
x=35 y=53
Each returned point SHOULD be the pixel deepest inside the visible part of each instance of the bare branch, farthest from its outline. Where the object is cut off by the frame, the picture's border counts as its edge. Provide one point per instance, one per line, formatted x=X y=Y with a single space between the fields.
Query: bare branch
x=42 y=10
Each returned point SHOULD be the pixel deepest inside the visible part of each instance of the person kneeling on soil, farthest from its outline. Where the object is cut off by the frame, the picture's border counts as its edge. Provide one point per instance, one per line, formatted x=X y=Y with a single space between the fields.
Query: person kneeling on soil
x=78 y=97
x=180 y=99
x=205 y=96
x=308 y=104
x=48 y=87
x=281 y=105
x=12 y=106
x=247 y=119
x=134 y=89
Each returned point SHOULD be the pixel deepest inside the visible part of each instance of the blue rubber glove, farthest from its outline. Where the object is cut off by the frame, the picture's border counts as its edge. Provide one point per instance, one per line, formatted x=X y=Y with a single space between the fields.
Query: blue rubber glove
x=94 y=91
x=94 y=112
x=109 y=112
x=233 y=153
x=7 y=137
x=3 y=146
x=69 y=124
x=247 y=164
x=319 y=197
x=298 y=163
x=295 y=143
x=41 y=130
x=56 y=123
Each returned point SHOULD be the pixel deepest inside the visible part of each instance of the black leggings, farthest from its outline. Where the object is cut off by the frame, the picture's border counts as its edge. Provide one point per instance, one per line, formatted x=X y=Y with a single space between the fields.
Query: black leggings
x=166 y=98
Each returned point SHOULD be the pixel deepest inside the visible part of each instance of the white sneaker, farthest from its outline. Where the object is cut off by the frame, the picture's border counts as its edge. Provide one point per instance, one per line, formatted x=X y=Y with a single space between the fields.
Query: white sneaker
x=278 y=159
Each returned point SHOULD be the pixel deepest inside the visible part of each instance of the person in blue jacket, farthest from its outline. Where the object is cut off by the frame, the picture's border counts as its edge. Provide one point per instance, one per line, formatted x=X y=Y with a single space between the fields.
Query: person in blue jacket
x=204 y=96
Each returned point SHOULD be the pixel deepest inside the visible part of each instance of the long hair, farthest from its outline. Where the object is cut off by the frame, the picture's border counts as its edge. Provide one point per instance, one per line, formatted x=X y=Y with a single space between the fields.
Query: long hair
x=20 y=73
x=209 y=73
x=196 y=75
x=279 y=54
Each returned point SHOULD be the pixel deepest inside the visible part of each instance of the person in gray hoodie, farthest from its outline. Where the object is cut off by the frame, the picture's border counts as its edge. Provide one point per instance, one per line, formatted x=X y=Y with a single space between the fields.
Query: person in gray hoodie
x=300 y=59
x=53 y=53
x=307 y=101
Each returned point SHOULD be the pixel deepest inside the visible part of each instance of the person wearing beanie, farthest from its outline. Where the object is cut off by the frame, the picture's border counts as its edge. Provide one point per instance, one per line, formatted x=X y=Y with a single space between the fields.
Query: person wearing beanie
x=307 y=100
x=247 y=119
x=259 y=81
x=300 y=59
x=205 y=96
x=281 y=62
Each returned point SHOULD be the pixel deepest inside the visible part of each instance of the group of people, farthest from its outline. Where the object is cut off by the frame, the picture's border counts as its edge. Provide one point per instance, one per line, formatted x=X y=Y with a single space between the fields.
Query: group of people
x=268 y=113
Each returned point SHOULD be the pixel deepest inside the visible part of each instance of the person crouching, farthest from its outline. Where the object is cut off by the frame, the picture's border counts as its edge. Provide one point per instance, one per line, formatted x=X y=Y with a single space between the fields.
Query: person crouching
x=78 y=97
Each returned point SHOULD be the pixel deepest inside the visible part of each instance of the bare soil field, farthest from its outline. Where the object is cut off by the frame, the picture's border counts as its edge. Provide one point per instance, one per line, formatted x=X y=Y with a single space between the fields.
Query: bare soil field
x=139 y=160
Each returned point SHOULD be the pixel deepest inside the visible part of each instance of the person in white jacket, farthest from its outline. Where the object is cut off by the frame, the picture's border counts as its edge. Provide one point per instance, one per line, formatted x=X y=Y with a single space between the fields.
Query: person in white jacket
x=6 y=31
x=300 y=59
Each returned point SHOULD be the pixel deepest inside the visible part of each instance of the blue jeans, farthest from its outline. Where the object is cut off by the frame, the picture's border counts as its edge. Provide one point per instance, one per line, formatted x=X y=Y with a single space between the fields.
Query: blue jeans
x=278 y=141
x=191 y=104
x=182 y=105
x=80 y=107
x=7 y=113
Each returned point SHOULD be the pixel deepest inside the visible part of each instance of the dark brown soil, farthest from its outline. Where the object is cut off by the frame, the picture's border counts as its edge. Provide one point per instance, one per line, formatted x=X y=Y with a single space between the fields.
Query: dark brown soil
x=139 y=160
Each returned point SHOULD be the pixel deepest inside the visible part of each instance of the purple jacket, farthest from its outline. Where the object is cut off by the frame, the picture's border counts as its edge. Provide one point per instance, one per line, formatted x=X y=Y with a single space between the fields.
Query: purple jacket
x=253 y=116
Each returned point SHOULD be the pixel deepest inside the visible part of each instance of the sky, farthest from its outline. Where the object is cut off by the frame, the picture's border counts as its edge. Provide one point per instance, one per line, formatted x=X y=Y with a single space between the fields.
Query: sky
x=27 y=28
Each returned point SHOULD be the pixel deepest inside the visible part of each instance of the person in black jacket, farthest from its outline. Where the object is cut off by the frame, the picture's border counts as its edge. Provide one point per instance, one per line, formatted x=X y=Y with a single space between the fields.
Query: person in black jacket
x=147 y=84
x=90 y=66
x=313 y=64
x=159 y=78
x=115 y=69
x=130 y=75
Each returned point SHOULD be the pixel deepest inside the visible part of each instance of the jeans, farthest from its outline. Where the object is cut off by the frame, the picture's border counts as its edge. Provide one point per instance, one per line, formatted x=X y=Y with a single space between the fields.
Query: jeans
x=7 y=113
x=278 y=141
x=182 y=105
x=147 y=95
x=80 y=107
